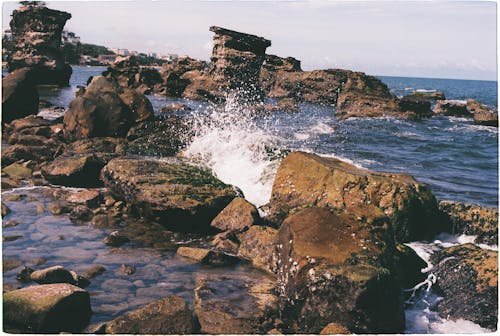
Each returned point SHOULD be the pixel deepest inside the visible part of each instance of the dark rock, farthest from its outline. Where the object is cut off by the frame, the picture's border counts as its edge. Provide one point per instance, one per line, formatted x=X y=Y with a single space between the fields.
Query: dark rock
x=182 y=196
x=451 y=108
x=39 y=154
x=129 y=74
x=473 y=220
x=94 y=271
x=24 y=275
x=138 y=103
x=339 y=268
x=236 y=61
x=99 y=112
x=172 y=74
x=468 y=278
x=207 y=257
x=225 y=242
x=170 y=315
x=409 y=266
x=47 y=309
x=19 y=95
x=238 y=216
x=304 y=180
x=421 y=107
x=482 y=114
x=115 y=239
x=11 y=238
x=54 y=274
x=5 y=210
x=105 y=220
x=160 y=137
x=235 y=306
x=175 y=107
x=36 y=32
x=258 y=245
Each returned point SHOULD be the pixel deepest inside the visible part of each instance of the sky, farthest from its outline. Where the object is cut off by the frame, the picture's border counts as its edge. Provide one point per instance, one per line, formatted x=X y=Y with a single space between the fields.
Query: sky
x=442 y=39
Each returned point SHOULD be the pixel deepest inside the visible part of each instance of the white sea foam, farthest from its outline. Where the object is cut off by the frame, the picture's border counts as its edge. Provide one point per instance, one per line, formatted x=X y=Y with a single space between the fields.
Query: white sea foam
x=234 y=147
x=425 y=90
x=322 y=128
x=301 y=136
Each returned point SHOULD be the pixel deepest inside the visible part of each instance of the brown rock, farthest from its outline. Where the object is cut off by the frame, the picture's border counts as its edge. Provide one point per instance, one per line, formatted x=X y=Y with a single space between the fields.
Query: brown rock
x=138 y=103
x=80 y=170
x=8 y=264
x=304 y=180
x=482 y=114
x=451 y=108
x=237 y=216
x=58 y=208
x=473 y=220
x=175 y=107
x=339 y=268
x=94 y=271
x=46 y=309
x=208 y=257
x=89 y=197
x=115 y=239
x=19 y=95
x=170 y=315
x=54 y=274
x=426 y=96
x=258 y=244
x=334 y=329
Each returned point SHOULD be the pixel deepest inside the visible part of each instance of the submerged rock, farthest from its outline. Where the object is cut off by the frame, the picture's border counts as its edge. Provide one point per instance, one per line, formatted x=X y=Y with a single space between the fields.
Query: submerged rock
x=468 y=278
x=175 y=107
x=235 y=306
x=207 y=257
x=170 y=315
x=19 y=95
x=473 y=220
x=36 y=33
x=238 y=216
x=305 y=180
x=179 y=195
x=339 y=268
x=46 y=309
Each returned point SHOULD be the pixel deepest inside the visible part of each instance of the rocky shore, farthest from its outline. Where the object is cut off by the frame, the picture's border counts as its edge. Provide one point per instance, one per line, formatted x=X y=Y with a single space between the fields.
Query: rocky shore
x=329 y=245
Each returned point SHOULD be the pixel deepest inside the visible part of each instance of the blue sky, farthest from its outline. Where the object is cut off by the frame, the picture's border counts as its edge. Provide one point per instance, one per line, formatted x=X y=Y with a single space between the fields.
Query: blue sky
x=449 y=39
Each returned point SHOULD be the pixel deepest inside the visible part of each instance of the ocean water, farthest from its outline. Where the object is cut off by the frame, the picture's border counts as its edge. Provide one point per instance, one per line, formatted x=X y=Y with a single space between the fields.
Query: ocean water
x=456 y=158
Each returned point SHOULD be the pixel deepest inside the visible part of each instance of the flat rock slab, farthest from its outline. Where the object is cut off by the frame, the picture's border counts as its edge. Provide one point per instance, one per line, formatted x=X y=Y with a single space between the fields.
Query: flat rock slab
x=176 y=194
x=47 y=309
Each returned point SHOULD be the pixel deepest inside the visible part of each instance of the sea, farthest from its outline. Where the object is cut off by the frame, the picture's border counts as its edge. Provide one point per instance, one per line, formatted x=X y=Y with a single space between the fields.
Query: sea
x=457 y=159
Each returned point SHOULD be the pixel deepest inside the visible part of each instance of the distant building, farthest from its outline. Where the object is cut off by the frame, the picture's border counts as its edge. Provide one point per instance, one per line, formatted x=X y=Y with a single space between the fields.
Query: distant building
x=120 y=51
x=106 y=59
x=69 y=38
x=169 y=57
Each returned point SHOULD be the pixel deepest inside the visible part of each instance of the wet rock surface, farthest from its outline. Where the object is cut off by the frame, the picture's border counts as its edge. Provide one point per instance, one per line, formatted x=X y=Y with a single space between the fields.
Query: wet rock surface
x=19 y=95
x=468 y=278
x=305 y=180
x=339 y=268
x=46 y=309
x=182 y=196
x=237 y=216
x=36 y=32
x=473 y=220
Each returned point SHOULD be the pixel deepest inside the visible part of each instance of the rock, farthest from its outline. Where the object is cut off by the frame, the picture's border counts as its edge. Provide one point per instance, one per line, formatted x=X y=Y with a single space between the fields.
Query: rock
x=201 y=86
x=236 y=61
x=409 y=266
x=238 y=216
x=17 y=171
x=421 y=107
x=468 y=278
x=115 y=239
x=175 y=107
x=426 y=96
x=170 y=315
x=79 y=213
x=276 y=63
x=24 y=275
x=39 y=154
x=14 y=197
x=207 y=257
x=284 y=104
x=5 y=210
x=80 y=170
x=473 y=220
x=304 y=180
x=129 y=74
x=10 y=223
x=482 y=114
x=104 y=220
x=99 y=112
x=9 y=287
x=258 y=244
x=94 y=271
x=451 y=108
x=235 y=306
x=226 y=242
x=36 y=33
x=58 y=208
x=54 y=274
x=138 y=103
x=23 y=125
x=47 y=309
x=172 y=72
x=339 y=268
x=19 y=95
x=89 y=197
x=334 y=329
x=181 y=196
x=8 y=264
x=160 y=137
x=126 y=269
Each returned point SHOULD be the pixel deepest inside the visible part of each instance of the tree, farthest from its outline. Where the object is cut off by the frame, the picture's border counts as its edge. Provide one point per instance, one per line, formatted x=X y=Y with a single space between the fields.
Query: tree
x=33 y=3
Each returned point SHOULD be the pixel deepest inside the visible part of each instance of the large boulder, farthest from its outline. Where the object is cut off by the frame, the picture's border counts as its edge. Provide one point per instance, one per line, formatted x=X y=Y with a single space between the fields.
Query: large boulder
x=36 y=32
x=225 y=305
x=179 y=195
x=452 y=108
x=170 y=315
x=473 y=220
x=305 y=180
x=172 y=73
x=19 y=95
x=421 y=107
x=339 y=268
x=258 y=245
x=238 y=216
x=129 y=74
x=105 y=109
x=236 y=61
x=468 y=279
x=46 y=309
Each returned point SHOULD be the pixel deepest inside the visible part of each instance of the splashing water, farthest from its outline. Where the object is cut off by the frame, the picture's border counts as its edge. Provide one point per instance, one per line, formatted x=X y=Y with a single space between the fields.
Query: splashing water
x=230 y=143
